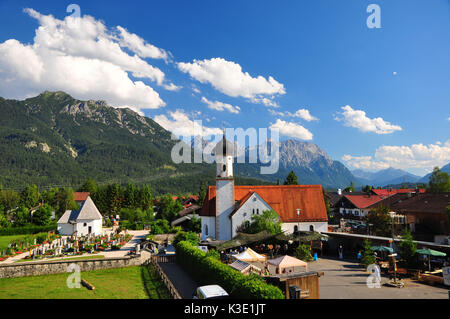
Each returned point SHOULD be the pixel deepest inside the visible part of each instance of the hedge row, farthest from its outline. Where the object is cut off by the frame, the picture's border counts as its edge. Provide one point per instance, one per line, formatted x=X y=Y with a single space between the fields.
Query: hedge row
x=25 y=230
x=208 y=271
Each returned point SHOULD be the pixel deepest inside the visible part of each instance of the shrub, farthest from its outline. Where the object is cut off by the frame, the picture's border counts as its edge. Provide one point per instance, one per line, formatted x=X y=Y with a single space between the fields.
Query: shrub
x=186 y=236
x=31 y=229
x=407 y=249
x=213 y=254
x=303 y=252
x=208 y=270
x=367 y=255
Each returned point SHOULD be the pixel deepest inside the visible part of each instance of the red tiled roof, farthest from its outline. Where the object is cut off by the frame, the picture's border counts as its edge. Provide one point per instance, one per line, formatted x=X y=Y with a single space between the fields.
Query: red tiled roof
x=386 y=192
x=364 y=201
x=424 y=203
x=80 y=196
x=284 y=199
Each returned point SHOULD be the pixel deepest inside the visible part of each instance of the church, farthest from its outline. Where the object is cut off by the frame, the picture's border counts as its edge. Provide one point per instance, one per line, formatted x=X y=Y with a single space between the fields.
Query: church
x=227 y=207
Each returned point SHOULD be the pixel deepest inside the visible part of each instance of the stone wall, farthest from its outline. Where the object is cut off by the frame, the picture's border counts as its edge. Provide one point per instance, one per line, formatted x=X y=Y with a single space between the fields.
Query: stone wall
x=55 y=267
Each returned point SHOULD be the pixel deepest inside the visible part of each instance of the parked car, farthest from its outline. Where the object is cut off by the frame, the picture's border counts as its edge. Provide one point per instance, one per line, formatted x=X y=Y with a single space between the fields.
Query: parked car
x=210 y=292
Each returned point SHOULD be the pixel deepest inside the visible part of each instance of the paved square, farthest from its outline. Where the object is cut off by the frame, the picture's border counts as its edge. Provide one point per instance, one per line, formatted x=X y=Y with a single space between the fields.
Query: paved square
x=347 y=280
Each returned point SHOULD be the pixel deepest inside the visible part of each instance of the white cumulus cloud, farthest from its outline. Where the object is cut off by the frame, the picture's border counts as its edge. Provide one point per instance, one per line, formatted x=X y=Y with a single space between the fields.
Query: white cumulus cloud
x=415 y=156
x=301 y=113
x=180 y=124
x=221 y=106
x=292 y=129
x=80 y=56
x=139 y=46
x=364 y=162
x=228 y=78
x=359 y=120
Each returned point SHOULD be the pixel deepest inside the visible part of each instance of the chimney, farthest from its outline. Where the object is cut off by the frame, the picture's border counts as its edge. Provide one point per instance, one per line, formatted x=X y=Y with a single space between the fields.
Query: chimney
x=339 y=191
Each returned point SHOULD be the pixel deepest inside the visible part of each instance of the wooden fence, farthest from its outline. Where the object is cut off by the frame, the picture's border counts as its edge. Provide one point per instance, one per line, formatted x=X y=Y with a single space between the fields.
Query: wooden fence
x=154 y=261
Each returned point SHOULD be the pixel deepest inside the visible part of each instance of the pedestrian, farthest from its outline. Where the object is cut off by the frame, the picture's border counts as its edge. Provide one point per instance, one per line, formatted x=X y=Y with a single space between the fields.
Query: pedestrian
x=341 y=251
x=358 y=256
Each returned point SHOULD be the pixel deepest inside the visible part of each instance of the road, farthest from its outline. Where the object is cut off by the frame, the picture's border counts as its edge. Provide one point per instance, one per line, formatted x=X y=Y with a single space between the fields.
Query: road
x=347 y=280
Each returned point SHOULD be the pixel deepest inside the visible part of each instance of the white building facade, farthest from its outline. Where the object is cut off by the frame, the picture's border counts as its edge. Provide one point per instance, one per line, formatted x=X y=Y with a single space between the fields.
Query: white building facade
x=227 y=207
x=87 y=220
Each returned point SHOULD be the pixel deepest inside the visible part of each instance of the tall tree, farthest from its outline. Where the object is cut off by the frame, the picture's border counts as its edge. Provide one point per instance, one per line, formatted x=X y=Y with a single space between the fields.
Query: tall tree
x=202 y=192
x=367 y=257
x=30 y=196
x=291 y=179
x=114 y=198
x=168 y=208
x=407 y=248
x=381 y=221
x=145 y=197
x=89 y=186
x=367 y=189
x=350 y=188
x=327 y=204
x=9 y=199
x=42 y=215
x=65 y=201
x=268 y=220
x=439 y=181
x=21 y=216
x=131 y=196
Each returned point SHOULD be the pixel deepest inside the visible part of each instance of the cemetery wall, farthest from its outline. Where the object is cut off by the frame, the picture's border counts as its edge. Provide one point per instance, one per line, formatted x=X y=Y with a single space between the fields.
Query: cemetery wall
x=55 y=267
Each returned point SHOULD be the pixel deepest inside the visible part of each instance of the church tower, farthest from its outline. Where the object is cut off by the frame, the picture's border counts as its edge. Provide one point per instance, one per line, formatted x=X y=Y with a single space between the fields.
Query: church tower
x=224 y=152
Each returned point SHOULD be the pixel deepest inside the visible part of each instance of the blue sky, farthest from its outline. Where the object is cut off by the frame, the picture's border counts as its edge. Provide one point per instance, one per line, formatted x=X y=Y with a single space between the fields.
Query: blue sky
x=321 y=55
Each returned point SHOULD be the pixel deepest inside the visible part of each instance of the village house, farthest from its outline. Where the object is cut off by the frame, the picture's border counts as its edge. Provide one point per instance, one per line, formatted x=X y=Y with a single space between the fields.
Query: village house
x=426 y=216
x=81 y=222
x=227 y=207
x=359 y=204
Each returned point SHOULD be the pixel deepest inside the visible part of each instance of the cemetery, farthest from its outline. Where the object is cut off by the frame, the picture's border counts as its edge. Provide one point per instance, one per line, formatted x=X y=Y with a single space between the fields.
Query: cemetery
x=47 y=246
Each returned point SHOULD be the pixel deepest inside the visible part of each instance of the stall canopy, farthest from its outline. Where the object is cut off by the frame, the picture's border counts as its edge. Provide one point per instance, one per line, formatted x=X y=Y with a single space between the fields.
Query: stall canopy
x=383 y=249
x=284 y=262
x=249 y=255
x=244 y=267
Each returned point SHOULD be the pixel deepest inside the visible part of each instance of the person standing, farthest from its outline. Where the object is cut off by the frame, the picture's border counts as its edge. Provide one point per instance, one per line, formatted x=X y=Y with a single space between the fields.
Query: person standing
x=341 y=251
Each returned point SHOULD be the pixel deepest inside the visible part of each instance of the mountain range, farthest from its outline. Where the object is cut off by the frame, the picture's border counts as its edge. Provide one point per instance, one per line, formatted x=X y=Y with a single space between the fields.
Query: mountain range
x=426 y=178
x=55 y=140
x=388 y=176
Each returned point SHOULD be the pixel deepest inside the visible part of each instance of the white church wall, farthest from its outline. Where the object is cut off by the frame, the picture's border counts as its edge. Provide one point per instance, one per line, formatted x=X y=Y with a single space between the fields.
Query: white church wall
x=208 y=227
x=224 y=207
x=254 y=205
x=82 y=227
x=65 y=229
x=305 y=226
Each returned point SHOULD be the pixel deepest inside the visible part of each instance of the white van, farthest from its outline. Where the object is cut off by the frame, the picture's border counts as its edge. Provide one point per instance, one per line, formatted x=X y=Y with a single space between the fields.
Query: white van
x=210 y=292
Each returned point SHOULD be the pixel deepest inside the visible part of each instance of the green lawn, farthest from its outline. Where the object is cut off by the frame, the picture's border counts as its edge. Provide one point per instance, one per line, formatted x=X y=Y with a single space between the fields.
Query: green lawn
x=5 y=240
x=137 y=282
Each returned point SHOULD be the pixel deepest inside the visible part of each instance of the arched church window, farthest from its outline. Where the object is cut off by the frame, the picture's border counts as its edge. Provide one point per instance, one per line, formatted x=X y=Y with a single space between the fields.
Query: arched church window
x=257 y=211
x=311 y=228
x=224 y=167
x=295 y=229
x=206 y=230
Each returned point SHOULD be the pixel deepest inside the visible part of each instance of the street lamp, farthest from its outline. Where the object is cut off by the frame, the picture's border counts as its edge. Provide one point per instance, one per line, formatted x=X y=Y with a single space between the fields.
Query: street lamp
x=298 y=218
x=392 y=214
